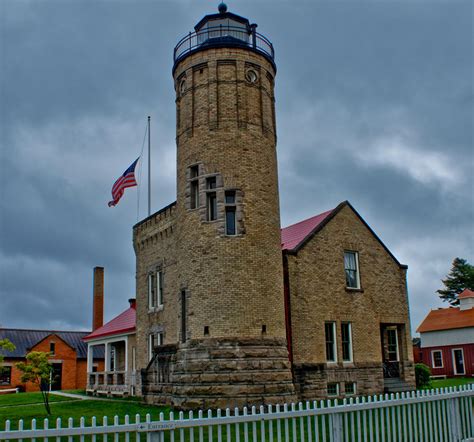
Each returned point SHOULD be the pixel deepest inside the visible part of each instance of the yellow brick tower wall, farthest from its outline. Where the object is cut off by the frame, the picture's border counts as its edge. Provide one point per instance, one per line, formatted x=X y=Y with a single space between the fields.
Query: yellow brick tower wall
x=226 y=126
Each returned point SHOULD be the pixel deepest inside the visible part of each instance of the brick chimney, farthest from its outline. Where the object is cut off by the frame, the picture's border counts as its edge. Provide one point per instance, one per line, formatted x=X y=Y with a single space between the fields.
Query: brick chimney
x=133 y=303
x=98 y=299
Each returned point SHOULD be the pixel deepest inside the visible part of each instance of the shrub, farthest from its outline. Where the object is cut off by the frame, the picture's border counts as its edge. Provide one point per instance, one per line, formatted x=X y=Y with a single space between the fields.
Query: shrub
x=422 y=376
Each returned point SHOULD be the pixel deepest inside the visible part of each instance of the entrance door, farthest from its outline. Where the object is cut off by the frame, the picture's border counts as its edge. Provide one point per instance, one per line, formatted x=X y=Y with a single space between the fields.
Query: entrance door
x=56 y=376
x=391 y=354
x=458 y=361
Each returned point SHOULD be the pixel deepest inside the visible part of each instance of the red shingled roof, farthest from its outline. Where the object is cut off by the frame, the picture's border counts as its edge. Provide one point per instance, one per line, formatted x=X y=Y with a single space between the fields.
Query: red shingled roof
x=446 y=319
x=123 y=323
x=293 y=235
x=466 y=293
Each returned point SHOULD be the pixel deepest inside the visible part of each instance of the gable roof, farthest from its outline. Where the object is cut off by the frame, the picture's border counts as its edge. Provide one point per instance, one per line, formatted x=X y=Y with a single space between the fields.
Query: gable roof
x=25 y=340
x=294 y=237
x=447 y=319
x=123 y=323
x=466 y=293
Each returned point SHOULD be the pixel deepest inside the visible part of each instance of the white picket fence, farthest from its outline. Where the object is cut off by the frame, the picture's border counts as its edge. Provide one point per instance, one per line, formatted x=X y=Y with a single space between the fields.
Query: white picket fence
x=432 y=416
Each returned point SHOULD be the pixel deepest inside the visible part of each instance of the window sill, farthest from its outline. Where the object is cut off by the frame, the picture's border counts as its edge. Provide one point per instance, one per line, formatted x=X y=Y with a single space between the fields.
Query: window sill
x=348 y=364
x=159 y=308
x=354 y=289
x=331 y=363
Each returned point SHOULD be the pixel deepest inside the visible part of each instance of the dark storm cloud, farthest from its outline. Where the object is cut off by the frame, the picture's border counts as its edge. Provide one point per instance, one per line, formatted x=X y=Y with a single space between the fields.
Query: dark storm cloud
x=374 y=105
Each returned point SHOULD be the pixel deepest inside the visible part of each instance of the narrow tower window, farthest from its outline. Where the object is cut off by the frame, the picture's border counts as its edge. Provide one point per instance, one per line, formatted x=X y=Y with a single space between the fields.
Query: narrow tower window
x=194 y=176
x=211 y=199
x=230 y=213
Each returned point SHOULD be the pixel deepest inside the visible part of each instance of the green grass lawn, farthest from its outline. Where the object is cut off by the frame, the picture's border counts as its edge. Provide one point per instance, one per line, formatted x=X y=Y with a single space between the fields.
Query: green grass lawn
x=450 y=382
x=29 y=406
x=7 y=400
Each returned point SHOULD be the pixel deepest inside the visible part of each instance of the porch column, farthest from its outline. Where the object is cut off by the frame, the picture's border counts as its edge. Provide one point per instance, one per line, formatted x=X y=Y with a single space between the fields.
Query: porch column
x=107 y=357
x=126 y=356
x=90 y=357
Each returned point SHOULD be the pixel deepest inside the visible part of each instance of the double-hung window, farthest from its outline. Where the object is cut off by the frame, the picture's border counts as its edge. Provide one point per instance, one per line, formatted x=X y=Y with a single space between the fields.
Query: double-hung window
x=5 y=375
x=330 y=332
x=346 y=339
x=155 y=289
x=351 y=268
x=437 y=359
x=230 y=216
x=211 y=199
x=194 y=185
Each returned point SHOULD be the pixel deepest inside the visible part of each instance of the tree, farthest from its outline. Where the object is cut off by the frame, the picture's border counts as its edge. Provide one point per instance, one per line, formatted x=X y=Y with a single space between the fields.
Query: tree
x=460 y=277
x=5 y=345
x=38 y=370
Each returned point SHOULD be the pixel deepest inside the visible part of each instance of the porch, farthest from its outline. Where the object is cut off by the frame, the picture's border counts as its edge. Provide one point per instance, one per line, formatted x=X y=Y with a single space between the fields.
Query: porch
x=118 y=376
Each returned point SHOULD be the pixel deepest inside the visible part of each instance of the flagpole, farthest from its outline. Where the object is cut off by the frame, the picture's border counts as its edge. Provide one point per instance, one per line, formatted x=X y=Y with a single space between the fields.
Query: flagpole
x=149 y=168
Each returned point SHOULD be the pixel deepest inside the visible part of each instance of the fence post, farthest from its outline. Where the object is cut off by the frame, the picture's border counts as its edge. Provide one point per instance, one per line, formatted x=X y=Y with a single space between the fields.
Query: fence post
x=454 y=420
x=337 y=430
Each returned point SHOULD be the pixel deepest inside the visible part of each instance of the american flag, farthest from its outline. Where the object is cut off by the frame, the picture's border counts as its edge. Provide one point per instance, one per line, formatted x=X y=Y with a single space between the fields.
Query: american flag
x=126 y=180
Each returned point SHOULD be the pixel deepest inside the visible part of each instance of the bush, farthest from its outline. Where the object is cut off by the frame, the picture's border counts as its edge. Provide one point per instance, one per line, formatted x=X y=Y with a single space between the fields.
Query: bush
x=422 y=376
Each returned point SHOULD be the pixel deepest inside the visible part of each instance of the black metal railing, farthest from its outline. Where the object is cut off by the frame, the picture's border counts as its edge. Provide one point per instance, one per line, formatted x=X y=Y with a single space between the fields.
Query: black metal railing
x=391 y=369
x=224 y=36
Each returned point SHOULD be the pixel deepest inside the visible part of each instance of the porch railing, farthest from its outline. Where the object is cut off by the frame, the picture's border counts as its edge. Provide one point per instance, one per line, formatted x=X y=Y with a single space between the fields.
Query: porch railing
x=439 y=415
x=107 y=378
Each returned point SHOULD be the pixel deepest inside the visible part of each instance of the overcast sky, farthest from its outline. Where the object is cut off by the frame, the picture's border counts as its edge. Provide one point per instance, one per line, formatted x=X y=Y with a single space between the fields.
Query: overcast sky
x=374 y=105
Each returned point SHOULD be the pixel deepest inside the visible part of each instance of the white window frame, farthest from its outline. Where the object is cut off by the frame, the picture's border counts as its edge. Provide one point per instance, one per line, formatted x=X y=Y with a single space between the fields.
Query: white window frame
x=334 y=332
x=351 y=354
x=338 y=389
x=151 y=283
x=454 y=361
x=354 y=393
x=159 y=288
x=356 y=254
x=433 y=359
x=155 y=302
x=395 y=329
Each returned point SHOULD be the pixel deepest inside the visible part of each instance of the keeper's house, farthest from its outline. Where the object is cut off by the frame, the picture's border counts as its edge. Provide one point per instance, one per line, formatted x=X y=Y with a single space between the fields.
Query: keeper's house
x=68 y=356
x=447 y=339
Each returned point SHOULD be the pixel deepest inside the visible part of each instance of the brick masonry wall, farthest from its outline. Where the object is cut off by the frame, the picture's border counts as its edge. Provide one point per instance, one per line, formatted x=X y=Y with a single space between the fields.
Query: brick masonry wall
x=233 y=285
x=73 y=373
x=226 y=125
x=319 y=294
x=155 y=247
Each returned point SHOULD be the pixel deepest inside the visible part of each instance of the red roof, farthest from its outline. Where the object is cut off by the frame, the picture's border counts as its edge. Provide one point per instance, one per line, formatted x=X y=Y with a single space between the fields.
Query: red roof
x=446 y=319
x=123 y=323
x=466 y=293
x=293 y=235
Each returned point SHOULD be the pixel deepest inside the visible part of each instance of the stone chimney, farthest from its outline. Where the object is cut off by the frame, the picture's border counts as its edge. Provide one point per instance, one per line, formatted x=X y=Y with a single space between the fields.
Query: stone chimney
x=98 y=299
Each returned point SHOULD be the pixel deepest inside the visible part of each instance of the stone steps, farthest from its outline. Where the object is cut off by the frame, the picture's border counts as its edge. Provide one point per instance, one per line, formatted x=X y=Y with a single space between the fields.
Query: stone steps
x=396 y=385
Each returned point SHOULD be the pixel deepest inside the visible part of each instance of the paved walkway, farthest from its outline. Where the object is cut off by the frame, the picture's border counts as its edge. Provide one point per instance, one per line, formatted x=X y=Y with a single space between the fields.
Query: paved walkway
x=73 y=395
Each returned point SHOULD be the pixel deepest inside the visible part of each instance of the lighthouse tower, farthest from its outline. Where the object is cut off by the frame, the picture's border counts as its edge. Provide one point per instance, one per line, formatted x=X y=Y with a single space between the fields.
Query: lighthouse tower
x=229 y=337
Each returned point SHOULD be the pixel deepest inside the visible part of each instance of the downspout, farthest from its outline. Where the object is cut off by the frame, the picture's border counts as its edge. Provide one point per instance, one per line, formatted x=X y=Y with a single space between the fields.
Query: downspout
x=286 y=292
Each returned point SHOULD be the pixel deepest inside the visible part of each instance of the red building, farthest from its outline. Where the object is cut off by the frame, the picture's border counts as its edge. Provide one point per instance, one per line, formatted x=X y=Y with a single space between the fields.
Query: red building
x=447 y=339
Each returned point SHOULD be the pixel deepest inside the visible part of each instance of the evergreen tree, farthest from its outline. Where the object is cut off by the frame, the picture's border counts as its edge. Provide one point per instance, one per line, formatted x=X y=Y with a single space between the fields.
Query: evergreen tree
x=459 y=278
